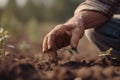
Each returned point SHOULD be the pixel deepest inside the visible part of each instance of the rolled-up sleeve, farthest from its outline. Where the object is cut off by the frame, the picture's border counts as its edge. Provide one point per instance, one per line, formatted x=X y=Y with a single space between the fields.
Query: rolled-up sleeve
x=107 y=7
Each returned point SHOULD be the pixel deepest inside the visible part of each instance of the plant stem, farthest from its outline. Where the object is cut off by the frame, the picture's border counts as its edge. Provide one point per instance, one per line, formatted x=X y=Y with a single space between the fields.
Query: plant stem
x=4 y=49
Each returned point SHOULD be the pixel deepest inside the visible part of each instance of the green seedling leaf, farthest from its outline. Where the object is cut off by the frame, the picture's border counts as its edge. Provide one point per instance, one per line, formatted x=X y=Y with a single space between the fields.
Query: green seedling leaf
x=3 y=40
x=70 y=51
x=73 y=51
x=106 y=53
x=103 y=55
x=5 y=32
x=109 y=51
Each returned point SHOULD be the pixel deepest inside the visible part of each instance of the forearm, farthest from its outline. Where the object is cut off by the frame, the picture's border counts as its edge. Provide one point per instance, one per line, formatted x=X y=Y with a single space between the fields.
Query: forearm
x=93 y=13
x=88 y=19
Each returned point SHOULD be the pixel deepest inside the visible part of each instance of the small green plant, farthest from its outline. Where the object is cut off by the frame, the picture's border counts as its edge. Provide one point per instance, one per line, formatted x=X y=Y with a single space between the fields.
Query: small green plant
x=107 y=55
x=107 y=52
x=71 y=51
x=3 y=41
x=4 y=45
x=68 y=49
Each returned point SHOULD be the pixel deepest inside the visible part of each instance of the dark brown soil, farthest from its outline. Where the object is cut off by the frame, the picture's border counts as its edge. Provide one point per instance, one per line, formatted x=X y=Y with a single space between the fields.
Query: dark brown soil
x=33 y=69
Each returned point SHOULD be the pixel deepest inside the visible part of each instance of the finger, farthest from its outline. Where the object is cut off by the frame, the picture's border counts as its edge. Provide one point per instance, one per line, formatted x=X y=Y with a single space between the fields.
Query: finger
x=51 y=42
x=45 y=46
x=77 y=33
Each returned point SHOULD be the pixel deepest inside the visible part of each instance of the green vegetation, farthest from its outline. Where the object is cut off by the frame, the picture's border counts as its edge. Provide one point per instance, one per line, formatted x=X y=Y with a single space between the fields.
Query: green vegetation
x=107 y=52
x=34 y=19
x=60 y=10
x=3 y=42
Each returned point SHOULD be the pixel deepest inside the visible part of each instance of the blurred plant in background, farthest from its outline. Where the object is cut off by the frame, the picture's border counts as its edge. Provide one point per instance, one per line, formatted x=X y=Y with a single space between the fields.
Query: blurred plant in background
x=4 y=36
x=30 y=20
x=42 y=10
x=3 y=42
x=26 y=15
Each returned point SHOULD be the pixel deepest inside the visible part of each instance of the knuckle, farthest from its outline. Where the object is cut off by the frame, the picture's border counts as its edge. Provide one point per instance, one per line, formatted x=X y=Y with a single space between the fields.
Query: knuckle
x=51 y=35
x=59 y=26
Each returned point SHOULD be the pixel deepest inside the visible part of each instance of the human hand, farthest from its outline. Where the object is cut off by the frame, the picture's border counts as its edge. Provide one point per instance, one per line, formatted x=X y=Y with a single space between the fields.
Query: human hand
x=70 y=32
x=63 y=35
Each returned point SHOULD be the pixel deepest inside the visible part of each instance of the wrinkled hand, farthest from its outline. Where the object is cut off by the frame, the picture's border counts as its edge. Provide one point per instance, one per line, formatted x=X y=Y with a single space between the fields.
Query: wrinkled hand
x=70 y=32
x=63 y=35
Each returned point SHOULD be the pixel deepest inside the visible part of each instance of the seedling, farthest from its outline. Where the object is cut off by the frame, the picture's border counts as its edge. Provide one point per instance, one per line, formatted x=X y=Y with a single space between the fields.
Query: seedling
x=3 y=43
x=71 y=51
x=3 y=40
x=107 y=55
x=107 y=52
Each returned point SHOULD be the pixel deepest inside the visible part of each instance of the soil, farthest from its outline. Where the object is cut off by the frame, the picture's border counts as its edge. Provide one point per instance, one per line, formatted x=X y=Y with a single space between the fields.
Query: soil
x=20 y=68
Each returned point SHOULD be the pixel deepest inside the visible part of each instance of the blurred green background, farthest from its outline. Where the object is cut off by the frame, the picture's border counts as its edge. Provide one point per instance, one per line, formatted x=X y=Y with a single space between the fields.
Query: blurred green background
x=27 y=16
x=42 y=10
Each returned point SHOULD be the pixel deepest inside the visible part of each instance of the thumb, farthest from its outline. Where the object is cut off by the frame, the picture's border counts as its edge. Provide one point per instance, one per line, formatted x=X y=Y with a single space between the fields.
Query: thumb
x=77 y=33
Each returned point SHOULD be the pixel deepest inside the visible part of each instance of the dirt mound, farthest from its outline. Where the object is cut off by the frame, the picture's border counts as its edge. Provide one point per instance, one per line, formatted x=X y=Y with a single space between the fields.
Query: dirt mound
x=32 y=69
